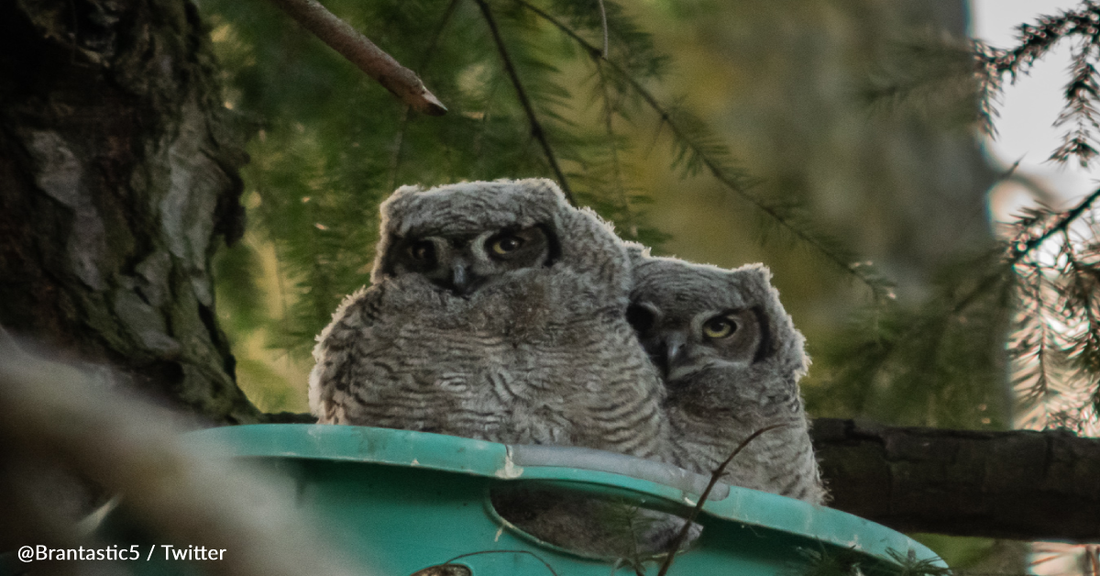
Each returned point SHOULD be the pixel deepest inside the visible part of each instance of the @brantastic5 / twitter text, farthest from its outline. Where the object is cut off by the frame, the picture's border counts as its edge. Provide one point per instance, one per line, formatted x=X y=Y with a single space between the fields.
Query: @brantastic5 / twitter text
x=170 y=552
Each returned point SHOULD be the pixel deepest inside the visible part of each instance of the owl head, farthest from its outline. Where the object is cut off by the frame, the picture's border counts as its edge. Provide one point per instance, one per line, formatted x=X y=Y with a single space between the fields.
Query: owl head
x=468 y=237
x=697 y=319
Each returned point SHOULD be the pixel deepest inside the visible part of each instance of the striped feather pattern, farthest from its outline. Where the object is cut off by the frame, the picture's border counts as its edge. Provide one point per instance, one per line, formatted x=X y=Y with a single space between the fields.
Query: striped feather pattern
x=542 y=355
x=714 y=403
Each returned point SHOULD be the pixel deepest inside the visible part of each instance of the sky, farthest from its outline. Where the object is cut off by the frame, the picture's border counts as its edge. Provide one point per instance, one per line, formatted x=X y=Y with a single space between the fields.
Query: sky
x=1025 y=130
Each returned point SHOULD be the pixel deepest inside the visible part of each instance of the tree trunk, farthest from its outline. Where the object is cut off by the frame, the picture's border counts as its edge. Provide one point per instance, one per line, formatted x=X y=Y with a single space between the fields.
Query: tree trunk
x=118 y=179
x=1019 y=484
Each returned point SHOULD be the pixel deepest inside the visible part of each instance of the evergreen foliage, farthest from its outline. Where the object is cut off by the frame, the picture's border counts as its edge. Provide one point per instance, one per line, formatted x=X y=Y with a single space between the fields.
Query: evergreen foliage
x=1055 y=344
x=935 y=365
x=531 y=92
x=567 y=89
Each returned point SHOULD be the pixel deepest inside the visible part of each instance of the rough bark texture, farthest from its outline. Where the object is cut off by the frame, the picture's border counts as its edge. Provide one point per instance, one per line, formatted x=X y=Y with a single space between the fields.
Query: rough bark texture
x=118 y=176
x=1018 y=484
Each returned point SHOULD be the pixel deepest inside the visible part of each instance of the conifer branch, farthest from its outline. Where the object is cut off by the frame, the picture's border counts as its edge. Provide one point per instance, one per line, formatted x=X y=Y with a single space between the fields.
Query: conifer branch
x=537 y=131
x=1019 y=251
x=620 y=187
x=1081 y=94
x=358 y=49
x=429 y=52
x=735 y=183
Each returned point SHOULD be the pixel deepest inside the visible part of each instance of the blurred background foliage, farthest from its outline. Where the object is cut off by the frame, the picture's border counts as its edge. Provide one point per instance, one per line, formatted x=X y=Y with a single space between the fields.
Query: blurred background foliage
x=720 y=132
x=834 y=140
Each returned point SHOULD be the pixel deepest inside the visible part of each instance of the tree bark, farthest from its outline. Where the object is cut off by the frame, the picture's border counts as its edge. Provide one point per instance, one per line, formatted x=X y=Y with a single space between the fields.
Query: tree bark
x=118 y=180
x=1023 y=485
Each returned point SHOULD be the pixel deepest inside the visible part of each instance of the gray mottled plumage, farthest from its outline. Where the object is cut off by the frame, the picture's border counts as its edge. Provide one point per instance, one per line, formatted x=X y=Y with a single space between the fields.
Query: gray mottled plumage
x=731 y=360
x=496 y=312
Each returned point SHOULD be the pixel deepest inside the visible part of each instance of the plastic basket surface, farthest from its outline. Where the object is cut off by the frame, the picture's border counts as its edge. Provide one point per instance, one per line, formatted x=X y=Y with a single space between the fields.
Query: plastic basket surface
x=399 y=501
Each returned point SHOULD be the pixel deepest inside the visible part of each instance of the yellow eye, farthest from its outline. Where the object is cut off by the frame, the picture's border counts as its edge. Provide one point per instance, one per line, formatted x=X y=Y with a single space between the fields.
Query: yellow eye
x=719 y=327
x=506 y=245
x=423 y=250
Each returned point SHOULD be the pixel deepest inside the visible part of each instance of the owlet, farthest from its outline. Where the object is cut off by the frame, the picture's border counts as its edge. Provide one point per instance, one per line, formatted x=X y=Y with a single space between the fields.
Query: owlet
x=496 y=311
x=731 y=360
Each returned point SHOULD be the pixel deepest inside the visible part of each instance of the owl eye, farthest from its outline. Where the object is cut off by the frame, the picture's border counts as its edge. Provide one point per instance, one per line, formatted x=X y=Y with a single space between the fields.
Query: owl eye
x=719 y=327
x=506 y=245
x=422 y=251
x=640 y=318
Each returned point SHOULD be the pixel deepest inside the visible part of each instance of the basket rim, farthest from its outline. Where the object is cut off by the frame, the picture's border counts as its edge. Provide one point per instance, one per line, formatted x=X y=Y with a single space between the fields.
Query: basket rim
x=592 y=469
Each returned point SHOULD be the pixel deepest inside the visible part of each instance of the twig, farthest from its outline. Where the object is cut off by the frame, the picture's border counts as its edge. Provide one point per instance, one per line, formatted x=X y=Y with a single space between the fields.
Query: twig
x=682 y=536
x=536 y=128
x=1067 y=218
x=358 y=49
x=1018 y=253
x=603 y=24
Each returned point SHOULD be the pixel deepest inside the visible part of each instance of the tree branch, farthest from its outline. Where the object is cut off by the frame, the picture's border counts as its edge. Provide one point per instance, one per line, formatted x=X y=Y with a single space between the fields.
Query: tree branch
x=735 y=183
x=1019 y=484
x=341 y=37
x=536 y=128
x=1019 y=249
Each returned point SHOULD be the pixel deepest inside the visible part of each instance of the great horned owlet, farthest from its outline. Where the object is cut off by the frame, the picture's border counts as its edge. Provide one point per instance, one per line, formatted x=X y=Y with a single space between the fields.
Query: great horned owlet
x=731 y=360
x=496 y=312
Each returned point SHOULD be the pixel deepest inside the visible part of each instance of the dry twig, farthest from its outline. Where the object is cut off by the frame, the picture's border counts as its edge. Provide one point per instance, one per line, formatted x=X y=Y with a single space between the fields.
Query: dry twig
x=681 y=538
x=341 y=37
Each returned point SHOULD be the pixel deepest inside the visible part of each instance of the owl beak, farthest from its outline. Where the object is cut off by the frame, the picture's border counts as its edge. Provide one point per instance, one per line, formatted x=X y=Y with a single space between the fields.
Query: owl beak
x=674 y=352
x=460 y=278
x=674 y=348
x=463 y=282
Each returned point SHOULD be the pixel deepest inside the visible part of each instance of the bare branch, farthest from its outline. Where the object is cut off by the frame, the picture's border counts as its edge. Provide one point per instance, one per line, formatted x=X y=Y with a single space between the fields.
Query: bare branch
x=341 y=37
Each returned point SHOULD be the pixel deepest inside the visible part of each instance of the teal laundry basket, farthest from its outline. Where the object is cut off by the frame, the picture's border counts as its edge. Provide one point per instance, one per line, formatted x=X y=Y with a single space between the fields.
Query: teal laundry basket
x=398 y=501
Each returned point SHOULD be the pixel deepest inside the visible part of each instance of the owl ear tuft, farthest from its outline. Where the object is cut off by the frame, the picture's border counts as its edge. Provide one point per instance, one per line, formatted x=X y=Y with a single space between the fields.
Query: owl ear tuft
x=757 y=275
x=543 y=187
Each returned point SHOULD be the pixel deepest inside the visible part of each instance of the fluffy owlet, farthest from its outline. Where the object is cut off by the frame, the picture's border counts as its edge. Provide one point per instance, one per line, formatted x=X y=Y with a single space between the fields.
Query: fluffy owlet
x=496 y=312
x=731 y=360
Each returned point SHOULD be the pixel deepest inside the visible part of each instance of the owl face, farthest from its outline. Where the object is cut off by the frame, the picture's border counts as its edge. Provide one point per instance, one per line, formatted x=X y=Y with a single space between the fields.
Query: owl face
x=683 y=336
x=465 y=261
x=692 y=318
